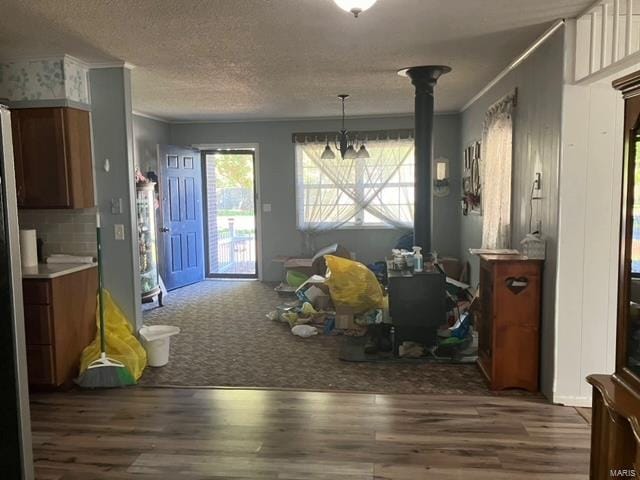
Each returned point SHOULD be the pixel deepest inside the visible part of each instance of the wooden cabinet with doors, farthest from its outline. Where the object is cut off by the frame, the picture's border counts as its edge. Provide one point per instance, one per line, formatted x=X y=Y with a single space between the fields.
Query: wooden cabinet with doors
x=52 y=149
x=615 y=426
x=509 y=321
x=60 y=321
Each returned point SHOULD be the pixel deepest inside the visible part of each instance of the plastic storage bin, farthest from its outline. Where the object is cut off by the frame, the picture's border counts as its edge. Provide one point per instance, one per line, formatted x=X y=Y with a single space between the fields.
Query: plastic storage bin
x=156 y=340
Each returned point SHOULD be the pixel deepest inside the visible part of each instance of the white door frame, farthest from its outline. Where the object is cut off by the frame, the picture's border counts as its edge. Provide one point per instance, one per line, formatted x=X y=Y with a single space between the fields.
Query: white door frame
x=256 y=148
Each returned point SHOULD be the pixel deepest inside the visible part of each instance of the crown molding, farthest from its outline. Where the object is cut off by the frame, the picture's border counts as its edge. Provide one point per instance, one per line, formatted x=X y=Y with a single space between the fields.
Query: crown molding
x=138 y=113
x=65 y=56
x=40 y=58
x=516 y=61
x=112 y=64
x=76 y=60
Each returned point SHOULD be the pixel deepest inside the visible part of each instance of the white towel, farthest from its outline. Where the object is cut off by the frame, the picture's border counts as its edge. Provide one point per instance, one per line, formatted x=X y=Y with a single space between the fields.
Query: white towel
x=61 y=258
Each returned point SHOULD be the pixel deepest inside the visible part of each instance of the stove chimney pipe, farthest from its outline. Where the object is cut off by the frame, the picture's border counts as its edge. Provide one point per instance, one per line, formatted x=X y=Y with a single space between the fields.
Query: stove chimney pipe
x=424 y=78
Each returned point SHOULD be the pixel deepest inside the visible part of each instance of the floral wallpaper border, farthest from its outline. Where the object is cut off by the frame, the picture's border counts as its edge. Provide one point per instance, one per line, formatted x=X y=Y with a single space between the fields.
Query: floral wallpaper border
x=50 y=79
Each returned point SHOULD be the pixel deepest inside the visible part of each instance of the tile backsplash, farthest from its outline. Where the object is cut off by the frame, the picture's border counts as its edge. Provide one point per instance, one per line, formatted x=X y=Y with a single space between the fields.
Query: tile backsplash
x=63 y=231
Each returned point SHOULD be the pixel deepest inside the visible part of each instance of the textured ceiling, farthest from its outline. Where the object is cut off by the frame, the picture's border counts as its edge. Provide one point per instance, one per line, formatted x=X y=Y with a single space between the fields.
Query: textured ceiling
x=251 y=59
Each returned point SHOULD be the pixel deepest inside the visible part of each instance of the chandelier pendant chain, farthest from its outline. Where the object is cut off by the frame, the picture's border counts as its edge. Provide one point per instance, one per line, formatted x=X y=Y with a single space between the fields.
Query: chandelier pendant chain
x=348 y=147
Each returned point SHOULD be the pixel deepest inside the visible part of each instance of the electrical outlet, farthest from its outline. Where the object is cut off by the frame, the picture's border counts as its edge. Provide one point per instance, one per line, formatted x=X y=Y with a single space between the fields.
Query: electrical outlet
x=119 y=231
x=266 y=207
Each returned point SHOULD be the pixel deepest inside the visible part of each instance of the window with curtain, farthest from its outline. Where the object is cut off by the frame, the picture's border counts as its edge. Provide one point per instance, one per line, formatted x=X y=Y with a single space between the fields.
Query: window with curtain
x=360 y=192
x=497 y=162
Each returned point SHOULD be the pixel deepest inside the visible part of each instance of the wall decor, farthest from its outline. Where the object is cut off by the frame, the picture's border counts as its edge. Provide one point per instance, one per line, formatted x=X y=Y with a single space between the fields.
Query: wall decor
x=63 y=78
x=441 y=182
x=471 y=180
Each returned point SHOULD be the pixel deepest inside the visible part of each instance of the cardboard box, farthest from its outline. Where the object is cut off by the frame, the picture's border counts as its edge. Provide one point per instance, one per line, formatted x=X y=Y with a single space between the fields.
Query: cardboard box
x=312 y=288
x=451 y=266
x=345 y=318
x=315 y=265
x=323 y=302
x=302 y=265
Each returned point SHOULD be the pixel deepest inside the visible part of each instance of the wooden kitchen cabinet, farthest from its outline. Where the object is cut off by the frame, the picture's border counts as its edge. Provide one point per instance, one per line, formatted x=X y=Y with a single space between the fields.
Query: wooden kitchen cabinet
x=52 y=149
x=509 y=321
x=60 y=321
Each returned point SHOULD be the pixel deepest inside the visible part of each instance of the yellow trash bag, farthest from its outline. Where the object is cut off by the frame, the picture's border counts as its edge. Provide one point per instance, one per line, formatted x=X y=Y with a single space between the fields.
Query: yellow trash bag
x=351 y=284
x=121 y=343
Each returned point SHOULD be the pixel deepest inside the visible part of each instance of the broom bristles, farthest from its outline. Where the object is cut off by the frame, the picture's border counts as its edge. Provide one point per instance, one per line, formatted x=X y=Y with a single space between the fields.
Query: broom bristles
x=105 y=373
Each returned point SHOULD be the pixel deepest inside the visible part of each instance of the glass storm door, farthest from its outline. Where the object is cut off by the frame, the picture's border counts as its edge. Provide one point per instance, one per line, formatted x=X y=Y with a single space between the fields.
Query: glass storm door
x=231 y=213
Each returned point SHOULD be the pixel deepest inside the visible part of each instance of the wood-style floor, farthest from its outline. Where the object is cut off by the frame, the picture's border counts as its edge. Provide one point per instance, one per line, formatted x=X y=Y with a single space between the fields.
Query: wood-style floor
x=145 y=433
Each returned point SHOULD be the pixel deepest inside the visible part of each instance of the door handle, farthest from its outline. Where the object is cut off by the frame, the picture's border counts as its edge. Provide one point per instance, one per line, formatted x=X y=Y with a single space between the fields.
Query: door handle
x=164 y=229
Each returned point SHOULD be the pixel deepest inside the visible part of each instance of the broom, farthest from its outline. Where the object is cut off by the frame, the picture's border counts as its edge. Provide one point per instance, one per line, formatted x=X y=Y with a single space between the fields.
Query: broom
x=104 y=372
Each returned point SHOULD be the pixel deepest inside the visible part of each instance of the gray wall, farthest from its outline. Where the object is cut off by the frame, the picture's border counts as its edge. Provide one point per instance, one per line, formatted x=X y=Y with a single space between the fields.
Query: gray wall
x=536 y=148
x=113 y=140
x=148 y=133
x=277 y=184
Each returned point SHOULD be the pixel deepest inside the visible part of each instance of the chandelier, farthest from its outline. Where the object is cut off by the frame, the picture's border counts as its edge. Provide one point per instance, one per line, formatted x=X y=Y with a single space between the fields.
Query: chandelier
x=348 y=147
x=355 y=6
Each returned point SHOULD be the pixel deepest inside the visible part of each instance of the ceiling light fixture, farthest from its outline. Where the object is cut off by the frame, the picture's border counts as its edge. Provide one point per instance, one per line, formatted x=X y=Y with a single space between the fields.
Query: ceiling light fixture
x=355 y=6
x=348 y=147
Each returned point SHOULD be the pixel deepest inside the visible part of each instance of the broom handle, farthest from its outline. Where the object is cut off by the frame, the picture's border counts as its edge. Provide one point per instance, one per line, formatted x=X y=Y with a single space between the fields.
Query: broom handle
x=103 y=348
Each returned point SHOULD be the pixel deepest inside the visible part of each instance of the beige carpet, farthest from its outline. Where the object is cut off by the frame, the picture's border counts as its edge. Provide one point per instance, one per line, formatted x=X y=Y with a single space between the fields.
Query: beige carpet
x=226 y=340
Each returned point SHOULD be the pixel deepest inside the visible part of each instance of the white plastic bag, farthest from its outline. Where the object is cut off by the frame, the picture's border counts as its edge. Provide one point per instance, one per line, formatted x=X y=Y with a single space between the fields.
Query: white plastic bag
x=304 y=331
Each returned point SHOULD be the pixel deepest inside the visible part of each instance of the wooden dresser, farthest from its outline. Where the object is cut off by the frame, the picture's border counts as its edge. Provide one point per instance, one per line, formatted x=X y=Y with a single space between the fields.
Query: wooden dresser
x=615 y=425
x=509 y=321
x=60 y=321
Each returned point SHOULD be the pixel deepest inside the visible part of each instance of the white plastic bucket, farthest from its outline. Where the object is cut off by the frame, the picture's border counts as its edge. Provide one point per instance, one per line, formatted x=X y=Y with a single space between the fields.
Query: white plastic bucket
x=156 y=340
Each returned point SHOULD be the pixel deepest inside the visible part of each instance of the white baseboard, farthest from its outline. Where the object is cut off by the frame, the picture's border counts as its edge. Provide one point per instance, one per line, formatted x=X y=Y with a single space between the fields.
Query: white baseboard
x=570 y=401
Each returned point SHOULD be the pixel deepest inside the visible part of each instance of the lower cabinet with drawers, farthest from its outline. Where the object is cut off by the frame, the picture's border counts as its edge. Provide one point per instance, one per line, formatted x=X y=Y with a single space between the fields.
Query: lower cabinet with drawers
x=60 y=321
x=509 y=321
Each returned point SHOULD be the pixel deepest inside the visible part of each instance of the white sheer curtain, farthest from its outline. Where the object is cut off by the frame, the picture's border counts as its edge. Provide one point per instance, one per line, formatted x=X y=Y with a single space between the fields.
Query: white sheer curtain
x=496 y=176
x=388 y=183
x=324 y=189
x=351 y=192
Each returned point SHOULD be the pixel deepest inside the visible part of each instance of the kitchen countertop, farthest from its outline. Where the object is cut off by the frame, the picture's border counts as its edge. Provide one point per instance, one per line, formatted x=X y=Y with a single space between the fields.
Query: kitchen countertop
x=53 y=270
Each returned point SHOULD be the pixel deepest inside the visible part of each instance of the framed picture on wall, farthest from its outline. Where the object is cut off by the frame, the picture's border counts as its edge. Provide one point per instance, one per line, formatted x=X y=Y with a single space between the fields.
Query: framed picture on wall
x=475 y=194
x=471 y=180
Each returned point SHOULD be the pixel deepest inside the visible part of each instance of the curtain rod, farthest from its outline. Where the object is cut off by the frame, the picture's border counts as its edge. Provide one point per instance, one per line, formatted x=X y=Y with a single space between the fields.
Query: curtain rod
x=367 y=135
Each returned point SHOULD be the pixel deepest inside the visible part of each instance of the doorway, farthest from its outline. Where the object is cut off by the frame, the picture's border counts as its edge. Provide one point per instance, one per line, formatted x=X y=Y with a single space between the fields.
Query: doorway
x=231 y=194
x=181 y=220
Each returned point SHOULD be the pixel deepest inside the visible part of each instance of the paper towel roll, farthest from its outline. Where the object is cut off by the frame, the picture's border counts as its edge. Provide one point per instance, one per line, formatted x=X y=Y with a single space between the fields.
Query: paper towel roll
x=28 y=248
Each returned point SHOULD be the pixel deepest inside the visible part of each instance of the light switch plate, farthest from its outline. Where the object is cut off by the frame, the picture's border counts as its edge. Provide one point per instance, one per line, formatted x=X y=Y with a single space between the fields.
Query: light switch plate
x=537 y=182
x=119 y=231
x=536 y=193
x=266 y=207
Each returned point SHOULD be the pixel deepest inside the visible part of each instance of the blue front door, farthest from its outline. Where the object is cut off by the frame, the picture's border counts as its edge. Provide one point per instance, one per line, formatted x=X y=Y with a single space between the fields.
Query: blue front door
x=181 y=219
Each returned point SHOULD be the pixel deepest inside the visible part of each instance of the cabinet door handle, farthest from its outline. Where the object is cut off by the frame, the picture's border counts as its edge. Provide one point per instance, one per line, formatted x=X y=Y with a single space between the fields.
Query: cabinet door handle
x=164 y=229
